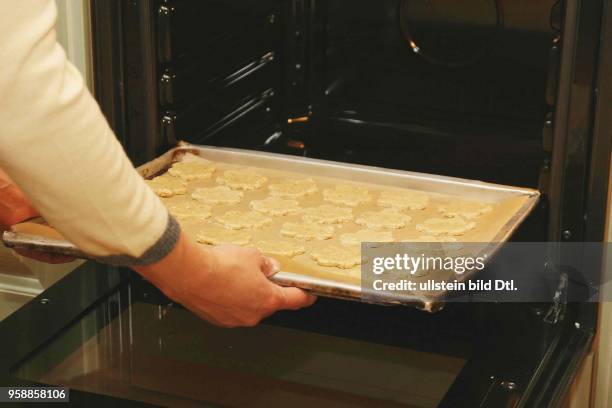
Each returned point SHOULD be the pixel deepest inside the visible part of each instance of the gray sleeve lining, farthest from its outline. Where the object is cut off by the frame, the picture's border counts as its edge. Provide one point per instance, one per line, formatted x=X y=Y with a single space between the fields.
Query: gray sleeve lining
x=164 y=245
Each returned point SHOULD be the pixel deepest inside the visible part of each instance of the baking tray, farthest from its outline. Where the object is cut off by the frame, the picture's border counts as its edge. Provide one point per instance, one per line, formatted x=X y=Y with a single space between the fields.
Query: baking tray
x=324 y=286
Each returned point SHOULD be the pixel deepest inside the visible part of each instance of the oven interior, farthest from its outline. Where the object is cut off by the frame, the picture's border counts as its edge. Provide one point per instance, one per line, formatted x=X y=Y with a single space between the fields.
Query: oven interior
x=465 y=89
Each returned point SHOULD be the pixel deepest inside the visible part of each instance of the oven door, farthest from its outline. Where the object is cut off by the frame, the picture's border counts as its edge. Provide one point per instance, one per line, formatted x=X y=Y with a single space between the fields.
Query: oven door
x=109 y=336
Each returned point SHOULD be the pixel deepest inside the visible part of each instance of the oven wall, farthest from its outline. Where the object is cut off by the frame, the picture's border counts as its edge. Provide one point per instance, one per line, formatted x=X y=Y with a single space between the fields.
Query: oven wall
x=474 y=111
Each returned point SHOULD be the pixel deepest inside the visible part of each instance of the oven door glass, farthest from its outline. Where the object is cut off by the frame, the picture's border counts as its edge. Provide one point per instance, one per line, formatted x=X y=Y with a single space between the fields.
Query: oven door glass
x=136 y=346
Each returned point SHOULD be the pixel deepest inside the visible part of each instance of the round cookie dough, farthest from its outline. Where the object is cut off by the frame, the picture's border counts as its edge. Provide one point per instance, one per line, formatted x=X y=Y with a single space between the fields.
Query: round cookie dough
x=217 y=195
x=445 y=226
x=293 y=188
x=167 y=186
x=338 y=256
x=307 y=231
x=383 y=219
x=464 y=209
x=356 y=238
x=212 y=234
x=189 y=209
x=281 y=247
x=328 y=214
x=403 y=199
x=276 y=206
x=243 y=219
x=192 y=170
x=246 y=179
x=345 y=194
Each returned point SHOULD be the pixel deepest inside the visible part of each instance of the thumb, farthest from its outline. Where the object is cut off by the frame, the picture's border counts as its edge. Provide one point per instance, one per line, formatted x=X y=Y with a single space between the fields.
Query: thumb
x=269 y=266
x=296 y=298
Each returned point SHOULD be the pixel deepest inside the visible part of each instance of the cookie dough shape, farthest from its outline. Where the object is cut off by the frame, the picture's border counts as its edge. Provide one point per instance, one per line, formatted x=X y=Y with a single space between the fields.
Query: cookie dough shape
x=217 y=195
x=167 y=186
x=464 y=209
x=347 y=195
x=291 y=188
x=275 y=206
x=243 y=219
x=403 y=199
x=192 y=170
x=212 y=234
x=388 y=218
x=445 y=226
x=328 y=214
x=356 y=238
x=338 y=256
x=307 y=231
x=242 y=179
x=281 y=247
x=189 y=209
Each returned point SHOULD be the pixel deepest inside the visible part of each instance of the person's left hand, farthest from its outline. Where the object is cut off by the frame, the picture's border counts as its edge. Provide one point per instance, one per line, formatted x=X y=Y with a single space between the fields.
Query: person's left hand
x=15 y=207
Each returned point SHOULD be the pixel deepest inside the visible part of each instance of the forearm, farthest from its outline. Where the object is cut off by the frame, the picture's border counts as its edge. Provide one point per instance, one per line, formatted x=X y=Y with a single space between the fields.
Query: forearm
x=58 y=148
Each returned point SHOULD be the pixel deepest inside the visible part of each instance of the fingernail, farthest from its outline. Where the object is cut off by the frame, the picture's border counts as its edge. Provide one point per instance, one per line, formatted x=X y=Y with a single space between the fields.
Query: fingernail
x=275 y=265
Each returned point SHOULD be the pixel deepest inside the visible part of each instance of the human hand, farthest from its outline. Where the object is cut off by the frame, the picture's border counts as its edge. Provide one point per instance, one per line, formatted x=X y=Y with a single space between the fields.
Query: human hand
x=226 y=285
x=15 y=207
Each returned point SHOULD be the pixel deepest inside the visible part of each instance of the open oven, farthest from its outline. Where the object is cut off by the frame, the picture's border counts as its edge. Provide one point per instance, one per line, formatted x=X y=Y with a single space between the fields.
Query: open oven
x=513 y=92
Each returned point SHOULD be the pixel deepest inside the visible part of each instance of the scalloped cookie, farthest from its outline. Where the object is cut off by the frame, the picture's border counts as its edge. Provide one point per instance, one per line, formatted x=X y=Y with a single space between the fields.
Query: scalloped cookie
x=403 y=199
x=246 y=179
x=293 y=188
x=346 y=194
x=189 y=209
x=338 y=256
x=212 y=234
x=464 y=209
x=328 y=214
x=244 y=219
x=167 y=186
x=192 y=170
x=307 y=231
x=217 y=195
x=445 y=226
x=281 y=247
x=388 y=218
x=275 y=206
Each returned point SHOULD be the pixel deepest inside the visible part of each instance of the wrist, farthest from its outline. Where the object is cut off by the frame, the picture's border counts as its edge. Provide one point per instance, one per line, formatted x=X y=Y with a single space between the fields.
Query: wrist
x=172 y=272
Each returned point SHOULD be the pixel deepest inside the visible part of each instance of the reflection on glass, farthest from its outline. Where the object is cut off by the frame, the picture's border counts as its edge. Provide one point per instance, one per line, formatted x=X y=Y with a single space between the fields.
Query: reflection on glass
x=164 y=355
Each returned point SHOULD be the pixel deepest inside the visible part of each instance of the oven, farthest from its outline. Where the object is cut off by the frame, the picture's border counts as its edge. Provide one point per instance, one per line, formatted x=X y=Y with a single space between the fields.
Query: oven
x=513 y=92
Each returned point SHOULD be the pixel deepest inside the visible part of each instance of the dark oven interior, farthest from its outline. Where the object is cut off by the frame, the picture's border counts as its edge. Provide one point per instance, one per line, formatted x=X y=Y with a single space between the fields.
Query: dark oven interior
x=467 y=89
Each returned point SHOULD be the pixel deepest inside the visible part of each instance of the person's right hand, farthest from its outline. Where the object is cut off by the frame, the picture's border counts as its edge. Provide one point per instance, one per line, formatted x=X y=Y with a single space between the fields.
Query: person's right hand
x=226 y=285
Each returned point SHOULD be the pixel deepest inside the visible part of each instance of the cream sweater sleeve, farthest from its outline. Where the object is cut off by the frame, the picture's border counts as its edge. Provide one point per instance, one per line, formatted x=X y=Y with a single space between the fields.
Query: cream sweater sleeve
x=57 y=146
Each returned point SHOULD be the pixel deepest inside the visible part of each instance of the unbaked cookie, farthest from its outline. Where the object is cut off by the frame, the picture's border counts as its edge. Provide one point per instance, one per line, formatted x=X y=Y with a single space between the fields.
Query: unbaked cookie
x=338 y=256
x=347 y=195
x=189 y=209
x=216 y=235
x=403 y=199
x=281 y=247
x=388 y=218
x=243 y=219
x=242 y=179
x=356 y=238
x=217 y=195
x=465 y=209
x=446 y=226
x=307 y=230
x=276 y=206
x=293 y=188
x=192 y=170
x=328 y=214
x=166 y=186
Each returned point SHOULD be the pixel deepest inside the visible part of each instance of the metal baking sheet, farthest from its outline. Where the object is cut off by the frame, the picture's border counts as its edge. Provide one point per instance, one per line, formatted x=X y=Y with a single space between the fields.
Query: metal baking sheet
x=323 y=285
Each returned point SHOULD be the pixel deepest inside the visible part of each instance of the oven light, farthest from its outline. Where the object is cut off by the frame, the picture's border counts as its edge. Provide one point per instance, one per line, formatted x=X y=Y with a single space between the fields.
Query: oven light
x=414 y=47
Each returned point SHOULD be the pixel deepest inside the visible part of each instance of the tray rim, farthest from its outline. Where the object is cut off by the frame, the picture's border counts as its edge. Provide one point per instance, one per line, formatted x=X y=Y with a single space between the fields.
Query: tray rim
x=319 y=286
